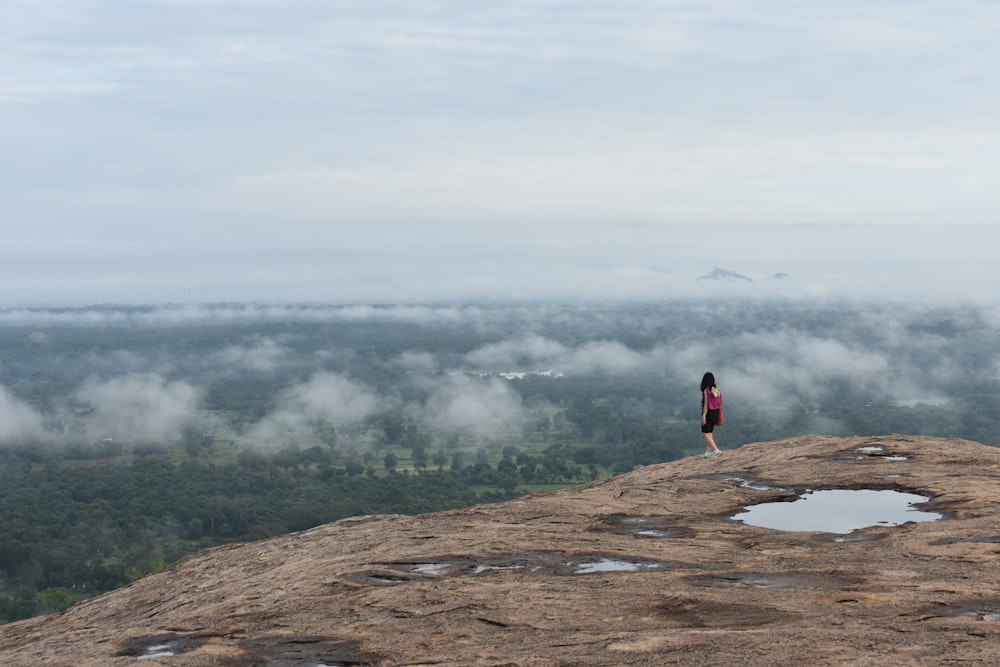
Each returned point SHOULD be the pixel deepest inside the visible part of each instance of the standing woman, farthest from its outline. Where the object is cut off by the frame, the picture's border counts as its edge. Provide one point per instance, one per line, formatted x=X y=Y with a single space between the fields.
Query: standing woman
x=711 y=404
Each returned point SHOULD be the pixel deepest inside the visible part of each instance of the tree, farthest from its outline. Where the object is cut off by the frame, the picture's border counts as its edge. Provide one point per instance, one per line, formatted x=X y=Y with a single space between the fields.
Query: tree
x=419 y=456
x=507 y=466
x=390 y=462
x=392 y=429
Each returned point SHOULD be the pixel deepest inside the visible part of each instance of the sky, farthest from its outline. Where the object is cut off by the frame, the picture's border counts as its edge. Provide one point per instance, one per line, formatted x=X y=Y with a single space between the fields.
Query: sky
x=191 y=151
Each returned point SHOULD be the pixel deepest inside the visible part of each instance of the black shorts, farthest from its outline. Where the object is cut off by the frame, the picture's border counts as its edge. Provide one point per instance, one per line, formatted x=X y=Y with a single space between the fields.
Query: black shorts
x=711 y=419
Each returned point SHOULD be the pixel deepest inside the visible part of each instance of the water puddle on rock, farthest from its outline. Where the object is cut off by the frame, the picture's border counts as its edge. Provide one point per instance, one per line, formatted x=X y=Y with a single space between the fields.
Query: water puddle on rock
x=750 y=484
x=613 y=565
x=432 y=568
x=158 y=651
x=876 y=452
x=481 y=569
x=838 y=511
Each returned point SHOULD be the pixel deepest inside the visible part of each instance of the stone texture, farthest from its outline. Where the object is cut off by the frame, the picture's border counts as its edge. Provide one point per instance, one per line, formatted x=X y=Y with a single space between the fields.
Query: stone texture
x=510 y=584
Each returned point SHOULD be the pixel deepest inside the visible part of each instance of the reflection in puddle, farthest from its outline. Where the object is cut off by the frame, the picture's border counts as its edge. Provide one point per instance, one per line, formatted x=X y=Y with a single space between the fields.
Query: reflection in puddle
x=431 y=568
x=649 y=526
x=480 y=569
x=158 y=651
x=609 y=565
x=877 y=452
x=750 y=484
x=521 y=564
x=838 y=511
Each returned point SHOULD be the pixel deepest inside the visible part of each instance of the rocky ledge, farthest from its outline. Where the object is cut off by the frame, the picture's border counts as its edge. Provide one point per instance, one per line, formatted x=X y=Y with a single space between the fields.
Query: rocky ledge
x=648 y=568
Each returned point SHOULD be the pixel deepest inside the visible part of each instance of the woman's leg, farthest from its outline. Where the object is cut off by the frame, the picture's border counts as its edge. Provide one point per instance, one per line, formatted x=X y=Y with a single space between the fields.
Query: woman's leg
x=709 y=443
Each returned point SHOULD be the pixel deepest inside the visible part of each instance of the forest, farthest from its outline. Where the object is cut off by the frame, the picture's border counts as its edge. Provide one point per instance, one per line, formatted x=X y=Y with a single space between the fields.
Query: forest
x=133 y=436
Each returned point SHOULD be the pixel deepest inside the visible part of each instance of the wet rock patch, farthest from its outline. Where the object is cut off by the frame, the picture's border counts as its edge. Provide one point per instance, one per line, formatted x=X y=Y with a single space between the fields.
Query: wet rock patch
x=542 y=563
x=159 y=646
x=870 y=452
x=743 y=482
x=302 y=650
x=987 y=610
x=971 y=540
x=774 y=580
x=376 y=578
x=697 y=613
x=647 y=526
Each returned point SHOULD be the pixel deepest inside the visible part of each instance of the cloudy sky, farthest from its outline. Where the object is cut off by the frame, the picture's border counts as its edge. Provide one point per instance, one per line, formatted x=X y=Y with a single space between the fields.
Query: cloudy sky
x=326 y=150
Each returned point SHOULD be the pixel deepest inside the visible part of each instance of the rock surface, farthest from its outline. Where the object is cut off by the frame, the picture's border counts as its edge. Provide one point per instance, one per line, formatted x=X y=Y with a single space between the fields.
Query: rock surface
x=647 y=568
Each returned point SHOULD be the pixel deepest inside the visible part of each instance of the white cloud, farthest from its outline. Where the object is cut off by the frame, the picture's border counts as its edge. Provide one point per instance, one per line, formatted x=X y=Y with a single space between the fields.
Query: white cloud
x=137 y=405
x=331 y=397
x=324 y=398
x=516 y=353
x=424 y=362
x=484 y=407
x=263 y=355
x=537 y=352
x=606 y=356
x=18 y=420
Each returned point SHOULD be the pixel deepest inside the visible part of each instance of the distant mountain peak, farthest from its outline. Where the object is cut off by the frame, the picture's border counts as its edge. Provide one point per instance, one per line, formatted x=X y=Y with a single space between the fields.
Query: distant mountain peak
x=726 y=275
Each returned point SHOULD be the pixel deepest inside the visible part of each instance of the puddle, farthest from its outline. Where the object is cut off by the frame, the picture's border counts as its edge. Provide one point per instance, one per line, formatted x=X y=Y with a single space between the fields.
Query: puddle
x=432 y=568
x=158 y=651
x=380 y=578
x=877 y=452
x=745 y=483
x=656 y=533
x=750 y=484
x=648 y=526
x=838 y=511
x=483 y=569
x=774 y=580
x=161 y=646
x=411 y=572
x=611 y=565
x=982 y=610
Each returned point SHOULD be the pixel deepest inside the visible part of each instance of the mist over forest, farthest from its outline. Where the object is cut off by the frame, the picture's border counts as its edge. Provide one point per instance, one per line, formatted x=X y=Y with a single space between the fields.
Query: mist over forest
x=273 y=376
x=133 y=436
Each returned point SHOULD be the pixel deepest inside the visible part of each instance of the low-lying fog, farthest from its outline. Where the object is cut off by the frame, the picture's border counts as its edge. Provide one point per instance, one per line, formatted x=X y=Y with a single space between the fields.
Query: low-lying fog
x=488 y=372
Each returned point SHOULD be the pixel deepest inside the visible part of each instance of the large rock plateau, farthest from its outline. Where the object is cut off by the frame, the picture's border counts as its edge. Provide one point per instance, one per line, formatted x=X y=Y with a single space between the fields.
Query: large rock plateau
x=648 y=568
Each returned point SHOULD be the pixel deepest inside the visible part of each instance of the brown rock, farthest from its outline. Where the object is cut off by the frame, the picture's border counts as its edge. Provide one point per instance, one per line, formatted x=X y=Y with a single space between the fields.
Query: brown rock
x=508 y=584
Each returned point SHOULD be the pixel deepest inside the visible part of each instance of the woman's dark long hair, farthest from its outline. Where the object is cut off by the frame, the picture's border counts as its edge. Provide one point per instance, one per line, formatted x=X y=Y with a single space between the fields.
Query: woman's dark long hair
x=707 y=382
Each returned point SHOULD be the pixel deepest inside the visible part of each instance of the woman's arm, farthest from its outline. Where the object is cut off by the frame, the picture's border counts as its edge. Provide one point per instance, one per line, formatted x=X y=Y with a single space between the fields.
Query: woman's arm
x=704 y=407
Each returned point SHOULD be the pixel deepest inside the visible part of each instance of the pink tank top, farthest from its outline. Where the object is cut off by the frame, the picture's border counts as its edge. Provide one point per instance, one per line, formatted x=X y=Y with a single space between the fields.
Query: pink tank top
x=714 y=398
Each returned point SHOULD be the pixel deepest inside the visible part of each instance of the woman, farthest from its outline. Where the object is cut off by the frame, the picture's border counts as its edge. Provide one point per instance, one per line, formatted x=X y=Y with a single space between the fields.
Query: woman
x=711 y=404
